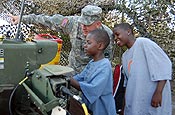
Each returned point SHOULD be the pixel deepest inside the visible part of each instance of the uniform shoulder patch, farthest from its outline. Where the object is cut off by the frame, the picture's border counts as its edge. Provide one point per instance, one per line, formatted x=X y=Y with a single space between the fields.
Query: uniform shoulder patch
x=64 y=22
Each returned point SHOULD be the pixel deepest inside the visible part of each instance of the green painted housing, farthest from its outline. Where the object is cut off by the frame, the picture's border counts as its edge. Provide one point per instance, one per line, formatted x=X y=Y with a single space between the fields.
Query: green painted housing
x=14 y=56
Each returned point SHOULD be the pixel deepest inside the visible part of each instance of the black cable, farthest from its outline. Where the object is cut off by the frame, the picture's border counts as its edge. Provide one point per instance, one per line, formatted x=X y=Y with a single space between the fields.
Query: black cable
x=10 y=100
x=11 y=95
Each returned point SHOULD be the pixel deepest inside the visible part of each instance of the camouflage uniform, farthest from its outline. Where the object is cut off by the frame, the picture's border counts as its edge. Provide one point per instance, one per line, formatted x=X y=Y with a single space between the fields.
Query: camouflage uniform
x=71 y=25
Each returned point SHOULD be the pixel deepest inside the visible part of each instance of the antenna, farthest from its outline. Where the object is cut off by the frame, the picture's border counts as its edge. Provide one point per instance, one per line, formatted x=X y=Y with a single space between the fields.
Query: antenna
x=19 y=24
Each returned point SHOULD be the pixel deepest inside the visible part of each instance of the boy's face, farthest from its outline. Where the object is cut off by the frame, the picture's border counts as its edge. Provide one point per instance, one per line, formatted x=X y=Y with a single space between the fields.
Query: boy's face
x=91 y=46
x=121 y=36
x=88 y=28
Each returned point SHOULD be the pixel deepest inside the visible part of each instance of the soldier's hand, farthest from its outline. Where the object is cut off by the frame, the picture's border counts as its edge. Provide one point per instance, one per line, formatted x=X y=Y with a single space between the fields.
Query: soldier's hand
x=14 y=19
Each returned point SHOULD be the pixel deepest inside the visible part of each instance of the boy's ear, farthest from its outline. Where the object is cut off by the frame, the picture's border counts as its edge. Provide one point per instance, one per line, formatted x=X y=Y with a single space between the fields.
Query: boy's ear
x=129 y=32
x=101 y=46
x=98 y=24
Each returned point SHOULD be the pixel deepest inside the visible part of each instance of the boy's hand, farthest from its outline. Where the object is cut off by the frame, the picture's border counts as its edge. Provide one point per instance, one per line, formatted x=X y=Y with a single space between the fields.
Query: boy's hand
x=157 y=96
x=156 y=99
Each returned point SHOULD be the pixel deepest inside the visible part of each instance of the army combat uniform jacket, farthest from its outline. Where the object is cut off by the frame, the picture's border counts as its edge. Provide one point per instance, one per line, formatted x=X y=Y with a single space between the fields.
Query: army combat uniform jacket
x=70 y=25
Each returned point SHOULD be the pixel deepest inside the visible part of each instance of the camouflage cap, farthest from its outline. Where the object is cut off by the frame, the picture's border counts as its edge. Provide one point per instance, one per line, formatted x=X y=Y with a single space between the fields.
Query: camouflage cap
x=90 y=14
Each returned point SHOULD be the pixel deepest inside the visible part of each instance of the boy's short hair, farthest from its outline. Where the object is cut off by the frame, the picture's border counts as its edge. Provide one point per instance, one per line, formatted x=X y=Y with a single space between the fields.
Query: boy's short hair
x=124 y=26
x=101 y=35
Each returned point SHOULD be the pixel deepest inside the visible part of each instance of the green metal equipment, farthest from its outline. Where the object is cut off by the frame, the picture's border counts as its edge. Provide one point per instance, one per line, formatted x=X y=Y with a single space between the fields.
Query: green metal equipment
x=40 y=92
x=45 y=90
x=28 y=84
x=13 y=58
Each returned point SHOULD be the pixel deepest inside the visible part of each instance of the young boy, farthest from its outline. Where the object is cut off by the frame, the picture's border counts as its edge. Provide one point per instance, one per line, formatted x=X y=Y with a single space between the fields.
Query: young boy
x=148 y=71
x=95 y=81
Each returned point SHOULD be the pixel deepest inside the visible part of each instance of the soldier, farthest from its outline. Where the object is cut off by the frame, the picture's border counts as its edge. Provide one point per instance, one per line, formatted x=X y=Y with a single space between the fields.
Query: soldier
x=77 y=27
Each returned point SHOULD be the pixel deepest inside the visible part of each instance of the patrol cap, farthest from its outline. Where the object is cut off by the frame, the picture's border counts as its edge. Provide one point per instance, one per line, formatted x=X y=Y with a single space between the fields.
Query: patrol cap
x=90 y=14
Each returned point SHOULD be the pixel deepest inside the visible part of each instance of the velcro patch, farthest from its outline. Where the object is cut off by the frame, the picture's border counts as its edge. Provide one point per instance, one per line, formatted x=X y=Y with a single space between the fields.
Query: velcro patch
x=64 y=22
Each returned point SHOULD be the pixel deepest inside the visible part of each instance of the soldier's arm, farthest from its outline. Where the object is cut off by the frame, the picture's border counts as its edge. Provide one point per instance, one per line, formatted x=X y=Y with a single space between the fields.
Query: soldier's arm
x=55 y=22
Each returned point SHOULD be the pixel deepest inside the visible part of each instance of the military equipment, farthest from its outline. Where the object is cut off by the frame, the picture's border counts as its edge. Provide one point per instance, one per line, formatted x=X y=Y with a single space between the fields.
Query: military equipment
x=24 y=59
x=28 y=85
